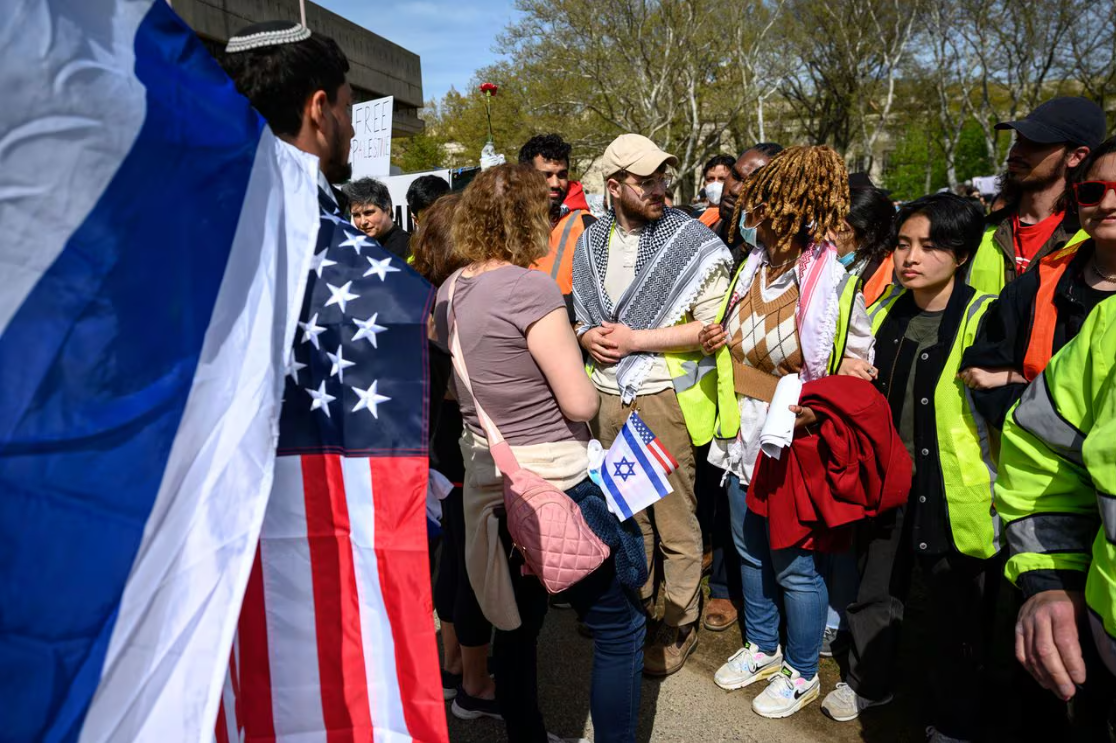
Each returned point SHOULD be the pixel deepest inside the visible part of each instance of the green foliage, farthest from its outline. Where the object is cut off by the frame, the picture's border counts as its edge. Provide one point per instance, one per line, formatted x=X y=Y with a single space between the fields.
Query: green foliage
x=906 y=176
x=418 y=153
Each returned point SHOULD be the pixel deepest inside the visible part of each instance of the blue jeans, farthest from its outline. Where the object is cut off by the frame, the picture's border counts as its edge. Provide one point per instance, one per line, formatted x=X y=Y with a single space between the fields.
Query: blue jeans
x=793 y=574
x=616 y=617
x=842 y=579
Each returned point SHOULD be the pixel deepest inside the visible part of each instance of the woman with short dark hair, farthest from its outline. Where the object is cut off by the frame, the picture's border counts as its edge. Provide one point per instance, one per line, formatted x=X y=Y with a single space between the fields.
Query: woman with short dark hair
x=922 y=326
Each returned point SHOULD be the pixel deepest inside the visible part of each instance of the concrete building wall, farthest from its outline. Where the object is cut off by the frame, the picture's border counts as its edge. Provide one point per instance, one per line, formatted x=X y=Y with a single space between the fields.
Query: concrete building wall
x=378 y=67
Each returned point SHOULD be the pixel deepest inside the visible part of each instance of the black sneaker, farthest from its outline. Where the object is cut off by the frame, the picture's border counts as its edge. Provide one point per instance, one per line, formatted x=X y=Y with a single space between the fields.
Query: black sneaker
x=450 y=682
x=466 y=707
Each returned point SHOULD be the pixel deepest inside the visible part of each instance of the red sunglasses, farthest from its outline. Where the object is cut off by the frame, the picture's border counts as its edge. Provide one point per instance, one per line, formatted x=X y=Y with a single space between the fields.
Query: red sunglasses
x=1091 y=193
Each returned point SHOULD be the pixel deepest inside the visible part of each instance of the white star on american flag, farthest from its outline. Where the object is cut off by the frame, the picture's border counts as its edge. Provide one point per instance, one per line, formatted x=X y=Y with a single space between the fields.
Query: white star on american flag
x=380 y=268
x=321 y=398
x=340 y=295
x=319 y=262
x=340 y=363
x=311 y=331
x=356 y=242
x=368 y=329
x=369 y=399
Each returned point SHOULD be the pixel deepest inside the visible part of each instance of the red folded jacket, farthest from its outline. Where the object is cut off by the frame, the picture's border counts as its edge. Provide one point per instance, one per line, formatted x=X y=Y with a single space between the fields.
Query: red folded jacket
x=853 y=467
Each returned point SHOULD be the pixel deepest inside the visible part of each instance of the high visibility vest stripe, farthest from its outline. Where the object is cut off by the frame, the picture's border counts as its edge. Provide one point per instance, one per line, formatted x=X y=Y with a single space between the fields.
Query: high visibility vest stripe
x=1107 y=504
x=562 y=243
x=1045 y=533
x=1037 y=414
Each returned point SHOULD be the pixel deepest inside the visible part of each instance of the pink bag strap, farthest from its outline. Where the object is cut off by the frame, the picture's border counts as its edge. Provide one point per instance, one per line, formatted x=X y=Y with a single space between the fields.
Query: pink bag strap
x=501 y=450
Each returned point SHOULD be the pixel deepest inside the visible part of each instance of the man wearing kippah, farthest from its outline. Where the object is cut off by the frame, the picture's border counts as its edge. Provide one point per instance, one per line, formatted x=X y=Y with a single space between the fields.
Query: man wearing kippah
x=329 y=642
x=646 y=278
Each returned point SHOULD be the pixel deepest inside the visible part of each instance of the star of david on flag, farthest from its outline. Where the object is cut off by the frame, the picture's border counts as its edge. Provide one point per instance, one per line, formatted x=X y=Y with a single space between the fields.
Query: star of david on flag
x=634 y=472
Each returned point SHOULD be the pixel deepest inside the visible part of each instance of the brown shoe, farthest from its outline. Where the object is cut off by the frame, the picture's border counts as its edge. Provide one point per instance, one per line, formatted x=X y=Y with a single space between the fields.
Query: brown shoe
x=720 y=614
x=706 y=563
x=669 y=652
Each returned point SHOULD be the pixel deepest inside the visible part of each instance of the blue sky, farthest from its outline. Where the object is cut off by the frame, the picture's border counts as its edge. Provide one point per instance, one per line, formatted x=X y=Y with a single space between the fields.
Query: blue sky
x=453 y=37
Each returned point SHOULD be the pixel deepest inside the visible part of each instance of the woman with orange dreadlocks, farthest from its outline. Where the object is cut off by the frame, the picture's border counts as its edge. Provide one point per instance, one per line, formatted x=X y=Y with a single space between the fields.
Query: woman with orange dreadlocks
x=792 y=309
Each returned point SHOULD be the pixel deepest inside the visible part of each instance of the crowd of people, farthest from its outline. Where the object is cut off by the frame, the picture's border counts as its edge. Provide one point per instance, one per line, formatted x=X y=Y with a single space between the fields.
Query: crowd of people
x=952 y=376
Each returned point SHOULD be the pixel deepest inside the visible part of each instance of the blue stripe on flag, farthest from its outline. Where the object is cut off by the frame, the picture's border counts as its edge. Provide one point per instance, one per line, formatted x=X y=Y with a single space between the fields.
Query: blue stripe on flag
x=617 y=496
x=96 y=366
x=652 y=473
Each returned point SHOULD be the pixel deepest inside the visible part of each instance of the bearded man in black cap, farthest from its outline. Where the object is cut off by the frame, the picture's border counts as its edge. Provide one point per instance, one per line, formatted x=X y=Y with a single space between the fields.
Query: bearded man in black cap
x=325 y=619
x=1038 y=219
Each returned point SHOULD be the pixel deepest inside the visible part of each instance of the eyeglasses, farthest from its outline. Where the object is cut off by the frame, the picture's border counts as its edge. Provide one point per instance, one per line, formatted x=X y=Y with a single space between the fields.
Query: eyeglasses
x=649 y=184
x=1091 y=193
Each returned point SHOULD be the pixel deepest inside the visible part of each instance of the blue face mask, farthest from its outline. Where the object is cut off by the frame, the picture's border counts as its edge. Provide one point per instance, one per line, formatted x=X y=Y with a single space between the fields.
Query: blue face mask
x=847 y=259
x=747 y=234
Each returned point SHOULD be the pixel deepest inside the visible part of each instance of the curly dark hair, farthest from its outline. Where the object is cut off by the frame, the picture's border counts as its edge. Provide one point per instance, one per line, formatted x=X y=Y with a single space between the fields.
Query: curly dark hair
x=278 y=80
x=727 y=160
x=550 y=146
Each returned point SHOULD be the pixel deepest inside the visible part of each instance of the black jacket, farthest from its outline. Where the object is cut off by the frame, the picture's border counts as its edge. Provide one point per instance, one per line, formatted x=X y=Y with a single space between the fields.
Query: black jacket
x=926 y=507
x=1006 y=332
x=397 y=242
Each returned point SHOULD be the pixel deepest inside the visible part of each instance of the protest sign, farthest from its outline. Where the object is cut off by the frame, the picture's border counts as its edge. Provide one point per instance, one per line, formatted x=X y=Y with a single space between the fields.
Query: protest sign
x=370 y=155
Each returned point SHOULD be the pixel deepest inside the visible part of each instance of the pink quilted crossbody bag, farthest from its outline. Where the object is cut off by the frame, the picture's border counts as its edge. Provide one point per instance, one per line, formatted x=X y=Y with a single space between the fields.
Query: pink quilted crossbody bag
x=546 y=526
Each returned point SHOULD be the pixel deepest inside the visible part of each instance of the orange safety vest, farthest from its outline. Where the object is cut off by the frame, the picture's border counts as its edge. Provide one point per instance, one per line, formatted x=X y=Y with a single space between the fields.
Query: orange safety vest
x=558 y=262
x=878 y=283
x=710 y=217
x=1044 y=312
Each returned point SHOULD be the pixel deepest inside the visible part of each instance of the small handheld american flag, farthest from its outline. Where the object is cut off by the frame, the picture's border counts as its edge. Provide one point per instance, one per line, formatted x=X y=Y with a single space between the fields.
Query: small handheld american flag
x=635 y=469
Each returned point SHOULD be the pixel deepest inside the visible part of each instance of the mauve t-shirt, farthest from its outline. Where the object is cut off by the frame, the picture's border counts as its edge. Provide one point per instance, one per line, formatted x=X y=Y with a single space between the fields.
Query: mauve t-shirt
x=494 y=310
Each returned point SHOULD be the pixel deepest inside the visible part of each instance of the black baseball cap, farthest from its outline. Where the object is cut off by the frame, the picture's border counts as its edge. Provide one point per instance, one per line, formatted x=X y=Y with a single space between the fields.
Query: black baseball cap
x=1070 y=119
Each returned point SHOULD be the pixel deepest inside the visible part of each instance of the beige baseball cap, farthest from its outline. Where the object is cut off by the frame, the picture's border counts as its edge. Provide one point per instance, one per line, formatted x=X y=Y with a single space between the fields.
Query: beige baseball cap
x=635 y=154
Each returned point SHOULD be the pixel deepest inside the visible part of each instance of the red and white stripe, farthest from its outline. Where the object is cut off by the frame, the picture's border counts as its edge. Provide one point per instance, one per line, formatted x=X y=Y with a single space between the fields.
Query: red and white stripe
x=336 y=638
x=669 y=463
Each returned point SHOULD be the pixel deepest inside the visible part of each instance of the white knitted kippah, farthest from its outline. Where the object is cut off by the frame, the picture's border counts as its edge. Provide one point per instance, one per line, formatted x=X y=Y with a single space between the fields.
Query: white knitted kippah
x=268 y=33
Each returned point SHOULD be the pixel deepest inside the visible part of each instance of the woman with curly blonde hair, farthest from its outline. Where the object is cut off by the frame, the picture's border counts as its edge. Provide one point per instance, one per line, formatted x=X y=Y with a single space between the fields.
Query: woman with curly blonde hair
x=791 y=309
x=525 y=369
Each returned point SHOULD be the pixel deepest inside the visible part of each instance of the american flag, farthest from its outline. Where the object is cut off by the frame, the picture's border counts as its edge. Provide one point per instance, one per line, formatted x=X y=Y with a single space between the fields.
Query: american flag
x=634 y=472
x=336 y=638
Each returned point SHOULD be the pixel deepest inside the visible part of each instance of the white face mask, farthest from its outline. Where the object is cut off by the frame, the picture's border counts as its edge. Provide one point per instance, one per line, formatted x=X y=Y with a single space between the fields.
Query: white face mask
x=748 y=234
x=713 y=192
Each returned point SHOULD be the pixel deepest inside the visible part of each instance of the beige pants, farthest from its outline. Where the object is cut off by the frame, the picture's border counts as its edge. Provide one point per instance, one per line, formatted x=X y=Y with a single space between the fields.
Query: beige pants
x=673 y=519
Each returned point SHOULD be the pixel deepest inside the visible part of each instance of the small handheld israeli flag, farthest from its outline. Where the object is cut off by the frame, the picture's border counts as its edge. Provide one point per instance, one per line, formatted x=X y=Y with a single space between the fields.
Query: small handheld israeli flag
x=633 y=474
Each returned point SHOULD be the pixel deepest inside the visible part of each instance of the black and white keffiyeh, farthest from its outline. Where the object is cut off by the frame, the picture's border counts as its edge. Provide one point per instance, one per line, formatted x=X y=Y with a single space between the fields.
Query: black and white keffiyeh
x=677 y=256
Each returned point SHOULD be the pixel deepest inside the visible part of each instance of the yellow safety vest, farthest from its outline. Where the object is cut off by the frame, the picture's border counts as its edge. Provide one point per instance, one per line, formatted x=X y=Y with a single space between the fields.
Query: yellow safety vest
x=1057 y=486
x=987 y=269
x=965 y=445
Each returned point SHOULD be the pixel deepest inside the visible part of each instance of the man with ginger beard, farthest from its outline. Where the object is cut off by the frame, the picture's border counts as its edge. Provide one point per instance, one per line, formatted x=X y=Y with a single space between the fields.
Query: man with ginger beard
x=646 y=278
x=1051 y=141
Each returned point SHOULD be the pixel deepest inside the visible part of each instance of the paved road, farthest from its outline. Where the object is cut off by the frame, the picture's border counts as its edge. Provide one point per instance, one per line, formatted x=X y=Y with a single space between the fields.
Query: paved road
x=686 y=707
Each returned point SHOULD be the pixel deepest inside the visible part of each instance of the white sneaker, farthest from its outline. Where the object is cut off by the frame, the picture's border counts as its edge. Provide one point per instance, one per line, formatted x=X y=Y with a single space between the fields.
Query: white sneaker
x=787 y=693
x=748 y=665
x=843 y=704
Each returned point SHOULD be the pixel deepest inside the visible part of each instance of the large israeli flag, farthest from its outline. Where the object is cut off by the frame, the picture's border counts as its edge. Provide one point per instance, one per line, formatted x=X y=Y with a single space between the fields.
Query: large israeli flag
x=154 y=235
